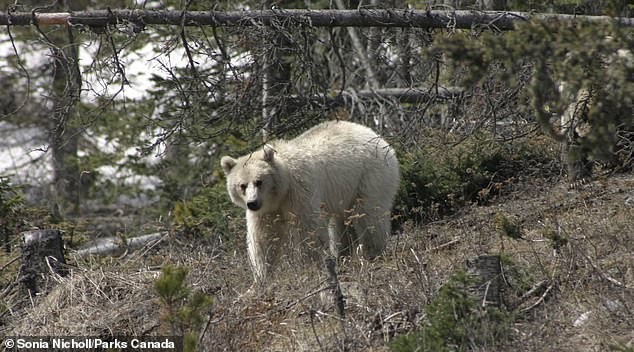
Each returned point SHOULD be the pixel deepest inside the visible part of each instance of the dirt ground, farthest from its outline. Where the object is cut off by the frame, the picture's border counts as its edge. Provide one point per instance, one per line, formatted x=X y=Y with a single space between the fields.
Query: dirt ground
x=568 y=282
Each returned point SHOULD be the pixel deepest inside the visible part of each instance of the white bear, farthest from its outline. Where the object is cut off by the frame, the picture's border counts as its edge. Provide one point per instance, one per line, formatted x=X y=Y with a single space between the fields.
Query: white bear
x=309 y=189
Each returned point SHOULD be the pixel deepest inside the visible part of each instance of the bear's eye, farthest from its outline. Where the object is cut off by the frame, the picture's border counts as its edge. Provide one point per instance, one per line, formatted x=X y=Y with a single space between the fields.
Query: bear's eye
x=258 y=183
x=243 y=186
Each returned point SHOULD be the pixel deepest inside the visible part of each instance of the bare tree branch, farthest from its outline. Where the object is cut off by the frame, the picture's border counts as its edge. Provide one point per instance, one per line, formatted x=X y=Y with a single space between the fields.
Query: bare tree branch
x=463 y=19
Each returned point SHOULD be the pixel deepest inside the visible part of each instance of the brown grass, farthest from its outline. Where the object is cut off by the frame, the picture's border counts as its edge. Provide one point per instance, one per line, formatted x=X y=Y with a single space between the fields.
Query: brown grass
x=590 y=275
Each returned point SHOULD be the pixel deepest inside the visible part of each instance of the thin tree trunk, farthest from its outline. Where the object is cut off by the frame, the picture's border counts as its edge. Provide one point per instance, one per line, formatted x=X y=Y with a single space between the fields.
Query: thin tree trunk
x=362 y=55
x=64 y=131
x=403 y=42
x=266 y=91
x=276 y=78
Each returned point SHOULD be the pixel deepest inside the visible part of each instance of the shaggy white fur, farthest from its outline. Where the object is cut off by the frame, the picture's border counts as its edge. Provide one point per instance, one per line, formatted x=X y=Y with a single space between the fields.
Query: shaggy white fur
x=334 y=185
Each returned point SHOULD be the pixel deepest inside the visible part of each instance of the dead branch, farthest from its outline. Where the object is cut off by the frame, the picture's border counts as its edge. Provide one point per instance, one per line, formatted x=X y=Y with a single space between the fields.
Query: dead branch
x=9 y=263
x=534 y=290
x=603 y=276
x=445 y=245
x=540 y=300
x=463 y=19
x=338 y=298
x=401 y=95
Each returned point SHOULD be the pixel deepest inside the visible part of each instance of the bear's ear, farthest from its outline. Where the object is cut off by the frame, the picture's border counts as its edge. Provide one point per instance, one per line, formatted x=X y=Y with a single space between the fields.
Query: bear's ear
x=269 y=153
x=227 y=164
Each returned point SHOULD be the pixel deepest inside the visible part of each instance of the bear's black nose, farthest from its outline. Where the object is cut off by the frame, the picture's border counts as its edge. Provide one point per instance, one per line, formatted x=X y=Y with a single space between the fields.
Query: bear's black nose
x=253 y=205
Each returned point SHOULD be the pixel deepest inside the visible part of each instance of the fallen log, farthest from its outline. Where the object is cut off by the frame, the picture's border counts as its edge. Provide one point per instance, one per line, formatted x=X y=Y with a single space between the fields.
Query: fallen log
x=116 y=246
x=400 y=18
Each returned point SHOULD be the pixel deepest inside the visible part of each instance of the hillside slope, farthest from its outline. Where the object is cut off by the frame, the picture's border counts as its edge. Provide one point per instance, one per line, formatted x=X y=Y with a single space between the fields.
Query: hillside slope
x=568 y=282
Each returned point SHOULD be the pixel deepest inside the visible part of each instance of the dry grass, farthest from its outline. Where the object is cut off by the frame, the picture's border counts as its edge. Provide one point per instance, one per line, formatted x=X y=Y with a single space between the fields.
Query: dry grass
x=590 y=274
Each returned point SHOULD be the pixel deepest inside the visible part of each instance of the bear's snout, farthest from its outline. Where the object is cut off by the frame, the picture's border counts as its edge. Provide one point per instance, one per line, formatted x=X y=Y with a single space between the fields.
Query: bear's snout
x=254 y=205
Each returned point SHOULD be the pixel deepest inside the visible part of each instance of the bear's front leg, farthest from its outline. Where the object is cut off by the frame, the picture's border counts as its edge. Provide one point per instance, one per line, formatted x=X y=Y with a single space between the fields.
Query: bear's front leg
x=265 y=236
x=256 y=246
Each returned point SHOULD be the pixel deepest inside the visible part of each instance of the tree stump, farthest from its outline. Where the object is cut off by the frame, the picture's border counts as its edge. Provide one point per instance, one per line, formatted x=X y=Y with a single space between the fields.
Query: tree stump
x=42 y=253
x=487 y=272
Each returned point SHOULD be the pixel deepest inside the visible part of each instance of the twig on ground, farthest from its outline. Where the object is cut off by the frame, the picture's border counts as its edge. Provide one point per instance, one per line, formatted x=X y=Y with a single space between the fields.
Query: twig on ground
x=445 y=245
x=9 y=263
x=540 y=300
x=312 y=325
x=531 y=292
x=604 y=276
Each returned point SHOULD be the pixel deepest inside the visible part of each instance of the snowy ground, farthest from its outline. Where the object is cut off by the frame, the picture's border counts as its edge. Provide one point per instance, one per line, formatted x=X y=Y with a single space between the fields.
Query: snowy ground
x=24 y=154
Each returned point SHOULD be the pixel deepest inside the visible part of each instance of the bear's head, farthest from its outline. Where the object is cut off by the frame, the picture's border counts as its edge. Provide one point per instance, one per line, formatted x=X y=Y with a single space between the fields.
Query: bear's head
x=253 y=180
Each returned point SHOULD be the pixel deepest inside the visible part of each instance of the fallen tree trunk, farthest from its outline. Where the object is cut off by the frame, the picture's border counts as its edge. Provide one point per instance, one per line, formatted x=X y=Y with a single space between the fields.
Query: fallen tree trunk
x=349 y=96
x=402 y=95
x=280 y=17
x=115 y=246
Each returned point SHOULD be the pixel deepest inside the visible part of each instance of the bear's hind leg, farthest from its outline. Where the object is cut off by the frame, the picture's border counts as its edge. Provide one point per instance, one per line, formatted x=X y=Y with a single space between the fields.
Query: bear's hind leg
x=340 y=237
x=372 y=227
